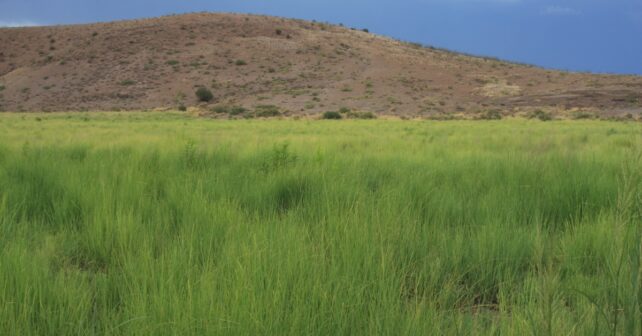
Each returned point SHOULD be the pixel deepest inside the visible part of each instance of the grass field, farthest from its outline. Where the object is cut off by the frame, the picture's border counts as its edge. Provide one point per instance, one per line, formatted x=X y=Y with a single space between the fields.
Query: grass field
x=160 y=224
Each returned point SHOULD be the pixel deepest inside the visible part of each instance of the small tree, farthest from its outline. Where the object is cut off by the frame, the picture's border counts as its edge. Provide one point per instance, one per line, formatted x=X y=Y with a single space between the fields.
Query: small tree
x=204 y=95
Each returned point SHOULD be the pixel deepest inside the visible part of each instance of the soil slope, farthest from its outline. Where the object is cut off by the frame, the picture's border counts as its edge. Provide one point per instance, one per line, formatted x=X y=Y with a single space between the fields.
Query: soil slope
x=302 y=67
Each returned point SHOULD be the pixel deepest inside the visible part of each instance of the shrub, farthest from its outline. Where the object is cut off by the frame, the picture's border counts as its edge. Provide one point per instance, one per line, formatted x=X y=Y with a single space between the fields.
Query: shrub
x=182 y=107
x=231 y=110
x=332 y=115
x=267 y=111
x=365 y=30
x=362 y=115
x=240 y=62
x=344 y=110
x=204 y=95
x=492 y=115
x=236 y=110
x=583 y=115
x=172 y=62
x=541 y=115
x=2 y=87
x=219 y=109
x=127 y=82
x=279 y=32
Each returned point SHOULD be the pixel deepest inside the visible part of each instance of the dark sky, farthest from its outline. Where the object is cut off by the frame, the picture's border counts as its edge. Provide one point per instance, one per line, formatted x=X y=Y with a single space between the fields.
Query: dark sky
x=579 y=35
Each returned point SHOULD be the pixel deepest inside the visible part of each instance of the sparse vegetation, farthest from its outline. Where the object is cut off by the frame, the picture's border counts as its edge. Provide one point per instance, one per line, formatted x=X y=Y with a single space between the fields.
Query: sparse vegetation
x=237 y=110
x=127 y=82
x=220 y=109
x=541 y=115
x=582 y=115
x=204 y=94
x=492 y=114
x=266 y=111
x=231 y=110
x=157 y=56
x=361 y=115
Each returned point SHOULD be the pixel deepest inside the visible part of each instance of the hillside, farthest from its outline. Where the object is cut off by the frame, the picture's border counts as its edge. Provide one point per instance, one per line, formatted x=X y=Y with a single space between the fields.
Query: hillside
x=304 y=68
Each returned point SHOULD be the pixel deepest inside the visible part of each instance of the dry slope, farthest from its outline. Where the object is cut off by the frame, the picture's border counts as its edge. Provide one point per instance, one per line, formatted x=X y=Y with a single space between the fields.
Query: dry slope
x=302 y=67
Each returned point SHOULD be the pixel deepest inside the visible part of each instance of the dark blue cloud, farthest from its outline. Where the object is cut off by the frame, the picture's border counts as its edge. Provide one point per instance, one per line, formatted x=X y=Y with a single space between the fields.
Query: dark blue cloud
x=581 y=35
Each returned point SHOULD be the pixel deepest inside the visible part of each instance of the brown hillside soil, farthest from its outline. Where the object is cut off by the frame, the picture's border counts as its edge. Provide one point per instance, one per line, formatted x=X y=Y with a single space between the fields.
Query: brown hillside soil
x=304 y=68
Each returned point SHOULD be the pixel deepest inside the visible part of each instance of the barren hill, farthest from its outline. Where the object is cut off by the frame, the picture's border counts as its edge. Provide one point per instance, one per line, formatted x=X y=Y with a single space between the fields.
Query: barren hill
x=304 y=68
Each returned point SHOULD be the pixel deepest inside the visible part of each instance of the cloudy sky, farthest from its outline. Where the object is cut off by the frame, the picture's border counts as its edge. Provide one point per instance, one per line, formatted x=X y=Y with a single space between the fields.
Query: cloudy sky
x=579 y=35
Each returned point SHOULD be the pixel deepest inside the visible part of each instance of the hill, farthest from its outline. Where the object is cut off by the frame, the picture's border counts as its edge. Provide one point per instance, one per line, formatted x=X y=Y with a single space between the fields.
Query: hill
x=301 y=67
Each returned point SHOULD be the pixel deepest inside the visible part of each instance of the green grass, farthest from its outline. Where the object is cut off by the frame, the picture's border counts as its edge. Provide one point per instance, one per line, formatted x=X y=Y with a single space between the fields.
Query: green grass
x=159 y=224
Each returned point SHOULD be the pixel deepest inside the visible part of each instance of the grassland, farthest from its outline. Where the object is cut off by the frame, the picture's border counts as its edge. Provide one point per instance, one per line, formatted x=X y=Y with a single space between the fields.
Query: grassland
x=158 y=224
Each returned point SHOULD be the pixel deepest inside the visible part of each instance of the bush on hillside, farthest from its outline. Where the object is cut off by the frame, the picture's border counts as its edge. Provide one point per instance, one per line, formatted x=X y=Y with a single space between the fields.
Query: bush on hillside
x=237 y=110
x=361 y=115
x=332 y=115
x=491 y=115
x=231 y=110
x=541 y=115
x=583 y=115
x=265 y=111
x=219 y=109
x=204 y=95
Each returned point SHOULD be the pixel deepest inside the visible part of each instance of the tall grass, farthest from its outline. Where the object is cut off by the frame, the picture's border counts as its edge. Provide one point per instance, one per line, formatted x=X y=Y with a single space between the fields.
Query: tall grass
x=157 y=224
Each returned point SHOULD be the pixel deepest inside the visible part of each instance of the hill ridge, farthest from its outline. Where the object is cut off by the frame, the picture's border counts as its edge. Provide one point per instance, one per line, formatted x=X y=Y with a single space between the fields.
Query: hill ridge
x=301 y=67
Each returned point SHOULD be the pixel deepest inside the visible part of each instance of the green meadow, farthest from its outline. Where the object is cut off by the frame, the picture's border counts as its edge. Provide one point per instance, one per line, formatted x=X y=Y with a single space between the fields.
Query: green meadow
x=163 y=224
